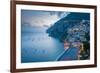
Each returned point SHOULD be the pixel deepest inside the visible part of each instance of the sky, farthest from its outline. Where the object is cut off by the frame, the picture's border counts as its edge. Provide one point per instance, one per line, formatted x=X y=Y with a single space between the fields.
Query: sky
x=40 y=18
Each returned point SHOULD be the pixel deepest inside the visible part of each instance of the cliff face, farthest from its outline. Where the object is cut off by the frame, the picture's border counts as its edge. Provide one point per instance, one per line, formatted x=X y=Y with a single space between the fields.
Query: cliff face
x=73 y=27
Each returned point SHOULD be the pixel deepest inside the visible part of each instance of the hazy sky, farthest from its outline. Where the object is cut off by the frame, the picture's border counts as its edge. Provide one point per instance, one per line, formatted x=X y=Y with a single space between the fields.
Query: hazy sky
x=40 y=18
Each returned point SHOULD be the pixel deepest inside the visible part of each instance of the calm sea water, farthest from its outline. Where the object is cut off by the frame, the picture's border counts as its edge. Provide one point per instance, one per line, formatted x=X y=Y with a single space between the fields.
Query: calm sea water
x=37 y=46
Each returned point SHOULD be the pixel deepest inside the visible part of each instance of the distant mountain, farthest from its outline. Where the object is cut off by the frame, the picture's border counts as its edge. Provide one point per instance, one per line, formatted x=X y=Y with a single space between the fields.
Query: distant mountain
x=27 y=28
x=73 y=27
